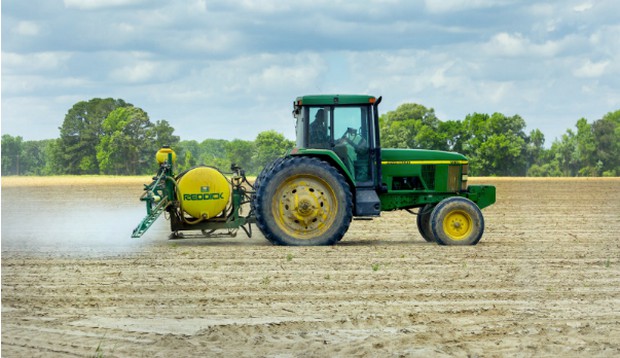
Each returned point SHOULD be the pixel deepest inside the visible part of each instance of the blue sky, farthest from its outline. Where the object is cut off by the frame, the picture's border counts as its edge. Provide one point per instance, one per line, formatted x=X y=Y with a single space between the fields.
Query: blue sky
x=231 y=69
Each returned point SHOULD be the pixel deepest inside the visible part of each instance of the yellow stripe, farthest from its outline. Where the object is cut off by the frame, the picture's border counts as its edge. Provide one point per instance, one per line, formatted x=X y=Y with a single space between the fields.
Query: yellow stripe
x=397 y=162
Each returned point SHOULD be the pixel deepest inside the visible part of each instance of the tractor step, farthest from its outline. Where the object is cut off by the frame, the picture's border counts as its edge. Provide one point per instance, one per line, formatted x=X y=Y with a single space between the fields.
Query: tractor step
x=367 y=202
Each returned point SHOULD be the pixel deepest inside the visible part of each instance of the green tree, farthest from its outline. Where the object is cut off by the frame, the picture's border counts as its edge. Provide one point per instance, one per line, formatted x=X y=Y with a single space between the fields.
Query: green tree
x=187 y=152
x=591 y=150
x=128 y=142
x=534 y=149
x=80 y=134
x=35 y=157
x=163 y=134
x=564 y=153
x=411 y=125
x=240 y=152
x=541 y=161
x=549 y=169
x=496 y=144
x=452 y=136
x=188 y=161
x=606 y=132
x=214 y=152
x=54 y=155
x=269 y=146
x=12 y=154
x=586 y=149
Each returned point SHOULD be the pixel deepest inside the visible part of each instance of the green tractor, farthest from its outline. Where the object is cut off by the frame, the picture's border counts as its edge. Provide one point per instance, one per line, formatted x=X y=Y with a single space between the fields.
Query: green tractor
x=336 y=172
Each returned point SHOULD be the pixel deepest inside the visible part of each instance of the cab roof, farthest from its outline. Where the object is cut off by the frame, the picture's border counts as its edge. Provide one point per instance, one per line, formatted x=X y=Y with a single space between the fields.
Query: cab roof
x=329 y=99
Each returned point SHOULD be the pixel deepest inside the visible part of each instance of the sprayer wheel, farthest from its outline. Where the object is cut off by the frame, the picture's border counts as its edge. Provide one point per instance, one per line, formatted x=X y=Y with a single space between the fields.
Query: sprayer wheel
x=303 y=201
x=424 y=223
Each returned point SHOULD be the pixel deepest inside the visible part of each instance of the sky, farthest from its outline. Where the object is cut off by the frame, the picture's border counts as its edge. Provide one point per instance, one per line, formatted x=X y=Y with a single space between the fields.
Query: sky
x=231 y=69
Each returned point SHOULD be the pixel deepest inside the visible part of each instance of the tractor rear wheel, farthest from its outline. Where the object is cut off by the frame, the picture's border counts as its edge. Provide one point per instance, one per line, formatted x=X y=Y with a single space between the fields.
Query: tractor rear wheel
x=303 y=201
x=424 y=223
x=266 y=170
x=457 y=221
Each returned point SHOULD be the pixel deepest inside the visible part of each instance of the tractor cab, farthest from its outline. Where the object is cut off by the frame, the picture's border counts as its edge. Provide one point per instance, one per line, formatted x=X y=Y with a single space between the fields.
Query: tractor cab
x=346 y=125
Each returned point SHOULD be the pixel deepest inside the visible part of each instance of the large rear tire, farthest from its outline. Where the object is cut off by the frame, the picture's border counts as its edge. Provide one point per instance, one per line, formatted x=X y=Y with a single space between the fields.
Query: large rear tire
x=457 y=221
x=424 y=223
x=266 y=171
x=303 y=201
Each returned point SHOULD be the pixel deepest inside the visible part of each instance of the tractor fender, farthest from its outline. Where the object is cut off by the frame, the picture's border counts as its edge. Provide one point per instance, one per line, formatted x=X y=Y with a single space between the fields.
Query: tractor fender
x=328 y=156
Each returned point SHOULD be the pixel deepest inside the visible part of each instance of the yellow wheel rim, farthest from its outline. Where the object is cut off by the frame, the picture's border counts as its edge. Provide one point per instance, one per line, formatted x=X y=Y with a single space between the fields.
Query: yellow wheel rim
x=304 y=206
x=457 y=225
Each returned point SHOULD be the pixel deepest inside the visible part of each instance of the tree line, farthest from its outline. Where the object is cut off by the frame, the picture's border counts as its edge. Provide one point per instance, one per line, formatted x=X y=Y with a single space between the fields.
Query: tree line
x=113 y=137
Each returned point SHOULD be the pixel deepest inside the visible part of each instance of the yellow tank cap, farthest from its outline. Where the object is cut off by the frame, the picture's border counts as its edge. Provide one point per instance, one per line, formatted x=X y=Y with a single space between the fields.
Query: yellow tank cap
x=162 y=154
x=204 y=192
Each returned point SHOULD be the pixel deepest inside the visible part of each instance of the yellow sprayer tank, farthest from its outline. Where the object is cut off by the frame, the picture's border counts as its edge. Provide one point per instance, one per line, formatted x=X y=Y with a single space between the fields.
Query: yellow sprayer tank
x=204 y=192
x=162 y=154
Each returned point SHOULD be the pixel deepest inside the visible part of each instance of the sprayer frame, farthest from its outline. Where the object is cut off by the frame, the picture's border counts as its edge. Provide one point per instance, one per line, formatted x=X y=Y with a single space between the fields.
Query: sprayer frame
x=160 y=195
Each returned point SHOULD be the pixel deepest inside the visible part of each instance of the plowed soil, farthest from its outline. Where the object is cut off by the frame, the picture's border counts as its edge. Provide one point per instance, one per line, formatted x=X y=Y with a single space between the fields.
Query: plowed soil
x=543 y=281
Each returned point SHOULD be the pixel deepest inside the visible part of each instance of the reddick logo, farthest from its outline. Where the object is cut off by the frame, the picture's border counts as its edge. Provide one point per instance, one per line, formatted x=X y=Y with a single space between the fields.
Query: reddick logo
x=206 y=196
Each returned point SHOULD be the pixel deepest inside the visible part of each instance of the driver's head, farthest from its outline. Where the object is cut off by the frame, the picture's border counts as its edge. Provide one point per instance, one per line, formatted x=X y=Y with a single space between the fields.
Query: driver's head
x=320 y=116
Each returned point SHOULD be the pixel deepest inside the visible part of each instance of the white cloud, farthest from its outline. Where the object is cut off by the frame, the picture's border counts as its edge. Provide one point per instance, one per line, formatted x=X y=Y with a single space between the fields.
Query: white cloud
x=30 y=85
x=508 y=44
x=583 y=7
x=265 y=6
x=438 y=79
x=497 y=92
x=301 y=72
x=591 y=69
x=542 y=9
x=28 y=63
x=26 y=28
x=505 y=44
x=141 y=72
x=440 y=6
x=124 y=27
x=211 y=42
x=98 y=4
x=198 y=5
x=606 y=39
x=144 y=71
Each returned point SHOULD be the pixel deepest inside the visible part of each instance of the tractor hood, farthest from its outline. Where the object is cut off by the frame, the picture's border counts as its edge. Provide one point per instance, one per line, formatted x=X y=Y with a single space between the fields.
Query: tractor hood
x=420 y=156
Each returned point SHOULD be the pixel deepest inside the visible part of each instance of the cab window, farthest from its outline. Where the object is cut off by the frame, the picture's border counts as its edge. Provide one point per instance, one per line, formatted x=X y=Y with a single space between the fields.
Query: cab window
x=351 y=138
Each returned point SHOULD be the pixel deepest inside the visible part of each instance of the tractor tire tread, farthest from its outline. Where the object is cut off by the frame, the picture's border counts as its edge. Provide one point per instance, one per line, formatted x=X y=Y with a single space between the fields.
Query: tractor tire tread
x=262 y=200
x=423 y=221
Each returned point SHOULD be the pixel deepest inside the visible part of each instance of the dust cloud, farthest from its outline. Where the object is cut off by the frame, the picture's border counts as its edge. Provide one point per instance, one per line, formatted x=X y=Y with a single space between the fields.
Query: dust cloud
x=80 y=218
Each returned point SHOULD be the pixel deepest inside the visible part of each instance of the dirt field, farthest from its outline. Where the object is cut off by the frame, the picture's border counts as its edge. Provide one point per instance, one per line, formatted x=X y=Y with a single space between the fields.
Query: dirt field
x=544 y=281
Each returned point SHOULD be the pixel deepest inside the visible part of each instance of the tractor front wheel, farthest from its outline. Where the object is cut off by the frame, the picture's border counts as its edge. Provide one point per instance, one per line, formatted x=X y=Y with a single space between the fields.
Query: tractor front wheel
x=457 y=221
x=303 y=201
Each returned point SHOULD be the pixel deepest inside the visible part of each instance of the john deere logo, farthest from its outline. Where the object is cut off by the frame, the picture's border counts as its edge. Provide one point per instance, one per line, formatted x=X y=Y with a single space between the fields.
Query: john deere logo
x=204 y=189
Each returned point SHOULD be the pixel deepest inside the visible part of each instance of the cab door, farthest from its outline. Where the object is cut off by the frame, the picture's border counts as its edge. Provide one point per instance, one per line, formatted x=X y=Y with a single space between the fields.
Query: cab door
x=352 y=141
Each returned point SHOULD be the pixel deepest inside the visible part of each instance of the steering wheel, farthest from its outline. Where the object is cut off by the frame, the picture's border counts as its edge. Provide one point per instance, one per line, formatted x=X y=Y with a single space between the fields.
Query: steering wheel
x=351 y=137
